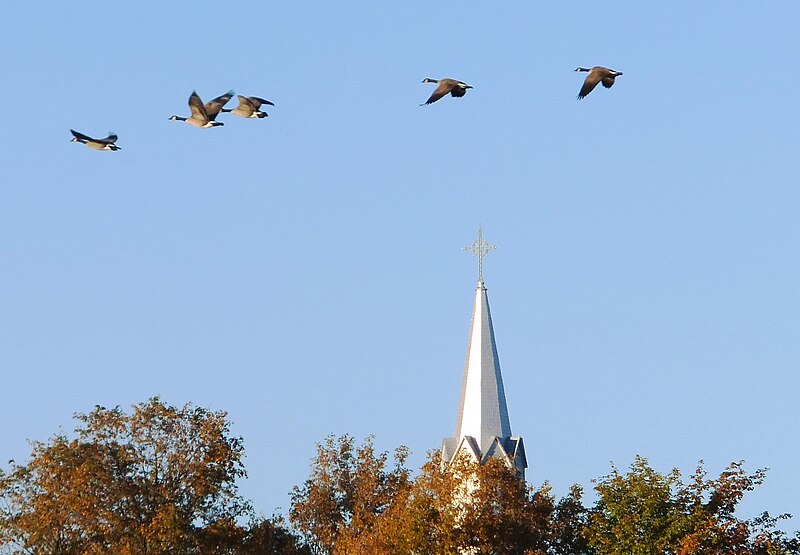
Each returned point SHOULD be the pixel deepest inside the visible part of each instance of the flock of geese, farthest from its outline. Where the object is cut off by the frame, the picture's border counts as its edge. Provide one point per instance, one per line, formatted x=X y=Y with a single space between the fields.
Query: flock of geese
x=205 y=115
x=202 y=115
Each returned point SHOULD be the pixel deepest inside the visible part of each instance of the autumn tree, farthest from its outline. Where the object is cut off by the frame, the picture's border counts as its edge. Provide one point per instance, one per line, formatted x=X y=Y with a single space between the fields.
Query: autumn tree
x=644 y=512
x=465 y=507
x=159 y=480
x=421 y=519
x=348 y=487
x=502 y=513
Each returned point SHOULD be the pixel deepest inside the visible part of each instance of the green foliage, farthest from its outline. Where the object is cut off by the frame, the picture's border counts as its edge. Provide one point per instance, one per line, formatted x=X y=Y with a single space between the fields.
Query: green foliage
x=637 y=513
x=644 y=512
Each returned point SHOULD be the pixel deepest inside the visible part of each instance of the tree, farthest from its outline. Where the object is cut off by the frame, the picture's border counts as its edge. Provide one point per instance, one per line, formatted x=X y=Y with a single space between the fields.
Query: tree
x=644 y=512
x=159 y=480
x=348 y=487
x=569 y=522
x=502 y=514
x=260 y=537
x=421 y=519
x=270 y=537
x=466 y=507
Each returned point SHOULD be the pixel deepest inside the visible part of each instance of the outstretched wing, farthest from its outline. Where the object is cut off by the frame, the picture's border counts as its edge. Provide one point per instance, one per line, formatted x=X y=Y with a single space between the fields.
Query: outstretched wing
x=458 y=91
x=112 y=138
x=257 y=102
x=608 y=82
x=214 y=106
x=589 y=84
x=197 y=108
x=80 y=136
x=443 y=89
x=246 y=104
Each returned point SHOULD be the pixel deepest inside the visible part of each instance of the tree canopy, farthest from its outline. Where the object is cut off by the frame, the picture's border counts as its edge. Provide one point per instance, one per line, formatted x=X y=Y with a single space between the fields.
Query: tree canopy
x=486 y=509
x=349 y=486
x=159 y=480
x=163 y=480
x=644 y=512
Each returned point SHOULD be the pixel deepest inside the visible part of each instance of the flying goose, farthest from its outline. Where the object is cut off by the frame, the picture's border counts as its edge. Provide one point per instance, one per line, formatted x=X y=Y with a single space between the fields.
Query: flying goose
x=455 y=88
x=597 y=74
x=249 y=107
x=203 y=115
x=98 y=144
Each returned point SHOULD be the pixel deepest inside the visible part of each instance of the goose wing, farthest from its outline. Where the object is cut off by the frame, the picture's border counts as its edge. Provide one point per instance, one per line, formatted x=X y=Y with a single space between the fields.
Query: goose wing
x=608 y=81
x=111 y=139
x=445 y=86
x=589 y=83
x=80 y=136
x=197 y=108
x=458 y=91
x=257 y=102
x=246 y=105
x=214 y=106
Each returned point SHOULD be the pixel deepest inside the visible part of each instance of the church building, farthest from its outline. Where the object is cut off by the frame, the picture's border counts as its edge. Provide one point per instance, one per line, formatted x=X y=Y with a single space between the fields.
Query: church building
x=483 y=428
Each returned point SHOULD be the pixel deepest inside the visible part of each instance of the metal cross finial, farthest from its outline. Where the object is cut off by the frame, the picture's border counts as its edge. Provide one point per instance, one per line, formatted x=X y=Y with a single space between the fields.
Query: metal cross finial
x=480 y=248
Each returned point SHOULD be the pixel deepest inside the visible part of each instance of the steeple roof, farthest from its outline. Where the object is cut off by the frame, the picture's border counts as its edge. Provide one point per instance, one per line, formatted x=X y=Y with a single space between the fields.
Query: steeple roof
x=482 y=411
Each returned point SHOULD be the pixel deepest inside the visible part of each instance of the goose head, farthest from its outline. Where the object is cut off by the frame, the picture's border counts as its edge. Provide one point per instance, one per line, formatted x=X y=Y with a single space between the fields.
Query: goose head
x=429 y=80
x=177 y=118
x=583 y=69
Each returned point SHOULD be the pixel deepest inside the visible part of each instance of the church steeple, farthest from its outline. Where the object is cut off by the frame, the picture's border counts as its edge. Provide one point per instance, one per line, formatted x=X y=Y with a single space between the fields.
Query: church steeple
x=482 y=411
x=482 y=424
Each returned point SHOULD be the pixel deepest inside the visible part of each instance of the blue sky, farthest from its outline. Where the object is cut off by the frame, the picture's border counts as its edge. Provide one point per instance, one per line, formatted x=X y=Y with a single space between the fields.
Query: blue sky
x=304 y=272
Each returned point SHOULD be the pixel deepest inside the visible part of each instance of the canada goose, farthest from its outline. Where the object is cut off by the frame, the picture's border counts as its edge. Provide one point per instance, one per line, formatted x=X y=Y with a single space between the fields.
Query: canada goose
x=455 y=88
x=249 y=107
x=97 y=144
x=203 y=115
x=597 y=74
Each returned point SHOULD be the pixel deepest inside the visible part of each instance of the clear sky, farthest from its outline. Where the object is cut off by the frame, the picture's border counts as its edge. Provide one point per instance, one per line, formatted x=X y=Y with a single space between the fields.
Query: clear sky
x=304 y=272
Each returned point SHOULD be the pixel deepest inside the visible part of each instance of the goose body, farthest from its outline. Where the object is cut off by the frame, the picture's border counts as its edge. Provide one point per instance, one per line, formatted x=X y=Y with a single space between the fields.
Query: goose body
x=204 y=115
x=249 y=107
x=446 y=86
x=98 y=144
x=598 y=74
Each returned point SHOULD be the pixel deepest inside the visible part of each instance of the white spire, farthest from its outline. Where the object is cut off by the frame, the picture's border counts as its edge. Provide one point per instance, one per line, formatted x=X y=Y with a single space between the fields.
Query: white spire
x=482 y=412
x=482 y=425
